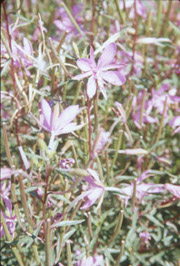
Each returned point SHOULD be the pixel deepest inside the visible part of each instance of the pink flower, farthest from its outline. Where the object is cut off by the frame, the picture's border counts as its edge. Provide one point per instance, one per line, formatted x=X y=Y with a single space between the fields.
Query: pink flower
x=5 y=173
x=98 y=73
x=145 y=236
x=56 y=124
x=63 y=23
x=174 y=189
x=59 y=124
x=147 y=118
x=121 y=112
x=175 y=123
x=141 y=10
x=66 y=163
x=142 y=190
x=102 y=138
x=94 y=191
x=159 y=97
x=37 y=31
x=9 y=218
x=96 y=260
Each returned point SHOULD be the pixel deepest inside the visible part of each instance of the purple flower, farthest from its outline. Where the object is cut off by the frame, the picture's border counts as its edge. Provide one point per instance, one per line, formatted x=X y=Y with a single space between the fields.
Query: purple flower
x=174 y=189
x=159 y=97
x=63 y=22
x=121 y=112
x=147 y=118
x=98 y=74
x=102 y=138
x=58 y=124
x=142 y=189
x=96 y=260
x=144 y=236
x=94 y=191
x=9 y=218
x=140 y=8
x=5 y=173
x=175 y=124
x=66 y=163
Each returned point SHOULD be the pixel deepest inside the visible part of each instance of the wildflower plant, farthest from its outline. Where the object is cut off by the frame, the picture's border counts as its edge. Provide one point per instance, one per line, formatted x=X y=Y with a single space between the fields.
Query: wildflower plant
x=90 y=133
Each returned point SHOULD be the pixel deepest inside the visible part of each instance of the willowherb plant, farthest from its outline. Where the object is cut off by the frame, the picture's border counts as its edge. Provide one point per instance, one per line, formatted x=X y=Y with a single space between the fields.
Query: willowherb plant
x=90 y=161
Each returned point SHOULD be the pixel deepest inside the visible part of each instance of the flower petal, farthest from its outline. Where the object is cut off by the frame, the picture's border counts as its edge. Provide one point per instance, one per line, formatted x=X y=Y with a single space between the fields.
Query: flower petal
x=83 y=75
x=84 y=64
x=46 y=111
x=112 y=66
x=69 y=128
x=66 y=117
x=174 y=189
x=93 y=63
x=5 y=173
x=107 y=55
x=113 y=77
x=91 y=87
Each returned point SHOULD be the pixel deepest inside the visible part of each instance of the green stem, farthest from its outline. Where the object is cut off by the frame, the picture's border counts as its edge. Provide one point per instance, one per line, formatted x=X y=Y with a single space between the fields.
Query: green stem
x=121 y=253
x=24 y=202
x=160 y=4
x=142 y=107
x=117 y=228
x=165 y=24
x=116 y=152
x=161 y=123
x=48 y=243
x=71 y=17
x=96 y=112
x=14 y=200
x=107 y=167
x=134 y=194
x=77 y=93
x=119 y=11
x=69 y=255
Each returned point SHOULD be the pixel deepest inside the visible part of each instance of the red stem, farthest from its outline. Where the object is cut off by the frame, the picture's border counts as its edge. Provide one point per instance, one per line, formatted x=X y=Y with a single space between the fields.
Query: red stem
x=135 y=37
x=12 y=70
x=89 y=124
x=93 y=22
x=9 y=40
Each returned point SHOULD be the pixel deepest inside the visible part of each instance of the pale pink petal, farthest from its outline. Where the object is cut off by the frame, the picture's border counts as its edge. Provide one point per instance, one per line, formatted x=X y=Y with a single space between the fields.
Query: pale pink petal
x=69 y=128
x=175 y=122
x=101 y=87
x=24 y=158
x=113 y=77
x=5 y=173
x=66 y=117
x=91 y=87
x=84 y=64
x=46 y=111
x=174 y=189
x=107 y=56
x=113 y=66
x=94 y=174
x=177 y=130
x=93 y=63
x=27 y=46
x=83 y=75
x=91 y=198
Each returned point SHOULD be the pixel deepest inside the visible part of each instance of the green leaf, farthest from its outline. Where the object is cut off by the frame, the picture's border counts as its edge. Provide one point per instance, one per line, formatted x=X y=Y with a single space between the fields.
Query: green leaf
x=69 y=234
x=154 y=220
x=63 y=173
x=67 y=223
